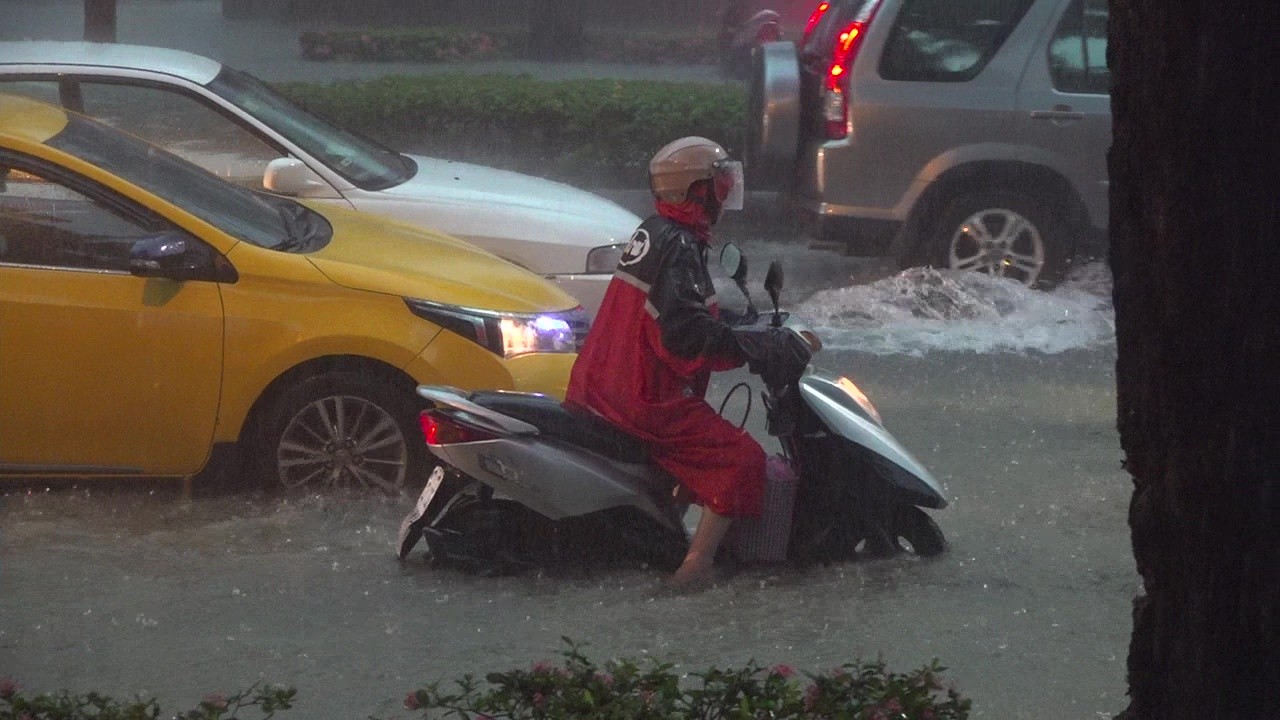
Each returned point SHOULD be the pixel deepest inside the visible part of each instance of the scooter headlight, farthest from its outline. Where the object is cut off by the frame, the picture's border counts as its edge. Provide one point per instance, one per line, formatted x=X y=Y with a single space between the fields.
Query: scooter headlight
x=856 y=394
x=509 y=334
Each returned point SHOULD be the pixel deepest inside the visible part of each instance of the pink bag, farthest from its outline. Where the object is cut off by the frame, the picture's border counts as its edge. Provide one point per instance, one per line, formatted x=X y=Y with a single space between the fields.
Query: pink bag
x=764 y=539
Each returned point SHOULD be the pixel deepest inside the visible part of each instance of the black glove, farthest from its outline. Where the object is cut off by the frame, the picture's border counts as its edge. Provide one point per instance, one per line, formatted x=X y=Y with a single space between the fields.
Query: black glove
x=735 y=318
x=777 y=355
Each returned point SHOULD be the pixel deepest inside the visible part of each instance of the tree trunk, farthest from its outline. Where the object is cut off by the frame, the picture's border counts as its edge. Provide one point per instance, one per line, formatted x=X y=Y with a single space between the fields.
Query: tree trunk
x=1195 y=249
x=555 y=29
x=100 y=20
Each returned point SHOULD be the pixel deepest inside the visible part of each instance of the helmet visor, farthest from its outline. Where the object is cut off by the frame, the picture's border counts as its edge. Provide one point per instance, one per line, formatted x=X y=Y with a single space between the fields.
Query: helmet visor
x=730 y=186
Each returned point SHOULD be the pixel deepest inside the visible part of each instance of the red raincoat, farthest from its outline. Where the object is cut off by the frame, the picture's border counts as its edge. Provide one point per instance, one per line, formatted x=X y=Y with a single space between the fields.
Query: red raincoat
x=647 y=361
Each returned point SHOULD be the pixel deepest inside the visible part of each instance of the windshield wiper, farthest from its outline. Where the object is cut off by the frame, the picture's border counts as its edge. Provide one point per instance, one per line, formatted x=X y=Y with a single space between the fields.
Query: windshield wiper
x=296 y=238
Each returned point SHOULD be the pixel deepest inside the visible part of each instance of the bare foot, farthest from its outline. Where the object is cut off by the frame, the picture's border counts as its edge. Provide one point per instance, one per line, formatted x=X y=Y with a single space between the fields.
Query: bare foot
x=695 y=573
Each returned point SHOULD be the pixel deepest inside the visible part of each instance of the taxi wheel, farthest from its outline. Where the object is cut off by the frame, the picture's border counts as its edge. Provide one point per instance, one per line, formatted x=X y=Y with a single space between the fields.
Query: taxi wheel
x=341 y=431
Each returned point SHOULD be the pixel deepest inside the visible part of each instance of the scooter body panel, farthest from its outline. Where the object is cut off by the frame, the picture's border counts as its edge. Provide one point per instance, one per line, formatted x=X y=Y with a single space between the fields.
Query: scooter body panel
x=558 y=480
x=843 y=415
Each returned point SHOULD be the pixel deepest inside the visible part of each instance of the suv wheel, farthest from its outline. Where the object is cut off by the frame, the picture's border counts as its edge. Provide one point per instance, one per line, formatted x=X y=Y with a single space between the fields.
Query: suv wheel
x=1001 y=233
x=340 y=430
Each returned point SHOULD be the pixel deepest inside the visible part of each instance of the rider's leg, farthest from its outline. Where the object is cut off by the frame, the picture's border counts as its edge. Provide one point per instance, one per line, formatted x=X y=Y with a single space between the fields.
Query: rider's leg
x=702 y=548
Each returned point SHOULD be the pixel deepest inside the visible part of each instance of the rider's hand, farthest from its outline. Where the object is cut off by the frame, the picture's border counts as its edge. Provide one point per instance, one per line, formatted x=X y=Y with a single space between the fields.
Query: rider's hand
x=777 y=355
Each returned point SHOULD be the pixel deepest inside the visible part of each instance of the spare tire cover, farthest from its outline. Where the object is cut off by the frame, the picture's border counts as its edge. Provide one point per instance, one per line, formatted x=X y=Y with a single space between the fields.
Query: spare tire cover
x=773 y=115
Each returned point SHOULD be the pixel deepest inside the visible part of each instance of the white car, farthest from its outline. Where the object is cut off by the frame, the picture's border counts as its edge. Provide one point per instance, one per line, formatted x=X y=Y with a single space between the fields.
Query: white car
x=236 y=126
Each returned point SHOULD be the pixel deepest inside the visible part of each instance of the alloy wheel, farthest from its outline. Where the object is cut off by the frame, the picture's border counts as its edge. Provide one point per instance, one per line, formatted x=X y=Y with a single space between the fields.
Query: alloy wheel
x=343 y=441
x=999 y=242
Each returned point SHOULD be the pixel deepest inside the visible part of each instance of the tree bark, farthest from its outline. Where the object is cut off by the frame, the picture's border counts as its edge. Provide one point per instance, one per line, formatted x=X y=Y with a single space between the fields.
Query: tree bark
x=100 y=20
x=555 y=29
x=1195 y=249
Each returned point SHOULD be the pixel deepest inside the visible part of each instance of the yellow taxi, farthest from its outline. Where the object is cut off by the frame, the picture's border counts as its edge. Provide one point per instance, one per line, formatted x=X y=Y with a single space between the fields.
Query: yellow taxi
x=150 y=312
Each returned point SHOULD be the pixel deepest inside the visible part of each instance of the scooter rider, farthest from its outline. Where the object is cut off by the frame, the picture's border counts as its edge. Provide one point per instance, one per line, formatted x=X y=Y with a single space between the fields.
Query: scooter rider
x=647 y=360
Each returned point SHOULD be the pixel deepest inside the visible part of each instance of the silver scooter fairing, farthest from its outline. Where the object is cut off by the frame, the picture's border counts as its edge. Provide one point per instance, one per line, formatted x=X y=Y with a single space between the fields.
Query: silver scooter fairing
x=546 y=475
x=840 y=404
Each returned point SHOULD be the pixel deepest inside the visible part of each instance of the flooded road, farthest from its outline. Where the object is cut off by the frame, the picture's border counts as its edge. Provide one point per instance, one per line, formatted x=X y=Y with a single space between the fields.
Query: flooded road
x=139 y=592
x=1008 y=399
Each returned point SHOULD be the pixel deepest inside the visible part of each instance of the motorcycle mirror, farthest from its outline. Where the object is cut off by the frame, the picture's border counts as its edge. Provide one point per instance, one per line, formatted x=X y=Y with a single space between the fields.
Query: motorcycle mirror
x=773 y=284
x=733 y=262
x=735 y=265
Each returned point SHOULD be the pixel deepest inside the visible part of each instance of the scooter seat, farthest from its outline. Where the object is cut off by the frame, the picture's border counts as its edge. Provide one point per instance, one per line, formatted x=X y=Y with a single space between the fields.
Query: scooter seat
x=581 y=428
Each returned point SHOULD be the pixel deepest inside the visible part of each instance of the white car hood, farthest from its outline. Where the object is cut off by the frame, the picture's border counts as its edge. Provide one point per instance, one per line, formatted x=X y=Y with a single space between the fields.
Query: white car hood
x=546 y=226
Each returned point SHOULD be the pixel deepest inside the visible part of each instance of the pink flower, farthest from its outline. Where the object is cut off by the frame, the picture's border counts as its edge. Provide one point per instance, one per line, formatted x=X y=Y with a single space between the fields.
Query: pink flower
x=605 y=679
x=542 y=667
x=539 y=700
x=784 y=671
x=647 y=697
x=217 y=701
x=893 y=705
x=811 y=695
x=411 y=701
x=7 y=688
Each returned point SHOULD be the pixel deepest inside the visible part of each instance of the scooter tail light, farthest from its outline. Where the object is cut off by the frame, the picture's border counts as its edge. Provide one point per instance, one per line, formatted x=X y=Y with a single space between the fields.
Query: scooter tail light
x=439 y=429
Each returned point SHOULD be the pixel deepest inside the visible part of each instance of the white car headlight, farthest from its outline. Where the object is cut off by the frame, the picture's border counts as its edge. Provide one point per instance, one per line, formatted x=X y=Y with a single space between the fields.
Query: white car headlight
x=508 y=334
x=605 y=259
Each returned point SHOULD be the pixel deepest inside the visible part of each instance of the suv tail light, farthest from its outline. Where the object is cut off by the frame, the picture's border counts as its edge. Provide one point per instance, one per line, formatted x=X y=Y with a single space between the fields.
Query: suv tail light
x=835 y=90
x=818 y=12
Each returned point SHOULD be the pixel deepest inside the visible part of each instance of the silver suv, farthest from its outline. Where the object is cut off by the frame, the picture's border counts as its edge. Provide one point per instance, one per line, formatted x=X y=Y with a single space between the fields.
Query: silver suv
x=958 y=133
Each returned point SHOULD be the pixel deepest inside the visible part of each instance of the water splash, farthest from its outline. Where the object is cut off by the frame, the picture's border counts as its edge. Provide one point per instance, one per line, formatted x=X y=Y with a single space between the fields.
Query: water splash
x=921 y=310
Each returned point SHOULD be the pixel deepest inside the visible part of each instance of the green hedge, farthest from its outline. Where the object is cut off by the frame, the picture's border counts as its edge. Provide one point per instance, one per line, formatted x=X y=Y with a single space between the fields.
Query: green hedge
x=448 y=44
x=601 y=131
x=581 y=689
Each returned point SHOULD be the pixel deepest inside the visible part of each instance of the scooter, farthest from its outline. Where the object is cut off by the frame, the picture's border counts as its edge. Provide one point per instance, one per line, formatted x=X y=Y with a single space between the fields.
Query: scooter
x=740 y=36
x=524 y=481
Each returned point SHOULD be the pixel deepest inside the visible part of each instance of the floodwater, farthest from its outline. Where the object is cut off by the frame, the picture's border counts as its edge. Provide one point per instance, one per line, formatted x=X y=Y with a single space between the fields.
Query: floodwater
x=135 y=591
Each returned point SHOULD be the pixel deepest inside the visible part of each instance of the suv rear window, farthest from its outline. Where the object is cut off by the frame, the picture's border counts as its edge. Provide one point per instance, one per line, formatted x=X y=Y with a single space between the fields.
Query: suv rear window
x=948 y=40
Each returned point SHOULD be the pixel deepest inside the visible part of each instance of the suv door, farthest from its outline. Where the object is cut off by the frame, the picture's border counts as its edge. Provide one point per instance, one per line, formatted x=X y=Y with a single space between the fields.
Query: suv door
x=100 y=371
x=1064 y=106
x=935 y=78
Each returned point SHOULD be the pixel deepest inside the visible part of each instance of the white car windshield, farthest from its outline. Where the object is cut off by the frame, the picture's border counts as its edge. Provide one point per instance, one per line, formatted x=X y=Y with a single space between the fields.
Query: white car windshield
x=265 y=220
x=363 y=162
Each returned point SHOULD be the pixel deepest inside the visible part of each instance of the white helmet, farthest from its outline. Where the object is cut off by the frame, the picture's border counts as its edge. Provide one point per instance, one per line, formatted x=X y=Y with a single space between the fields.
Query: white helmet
x=680 y=164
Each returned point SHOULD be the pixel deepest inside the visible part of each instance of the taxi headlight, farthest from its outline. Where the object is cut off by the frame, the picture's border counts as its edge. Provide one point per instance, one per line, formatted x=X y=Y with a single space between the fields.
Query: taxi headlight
x=508 y=334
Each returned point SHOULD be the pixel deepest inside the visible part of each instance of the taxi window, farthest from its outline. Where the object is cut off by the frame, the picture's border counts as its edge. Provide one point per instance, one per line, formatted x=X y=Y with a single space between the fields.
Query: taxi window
x=44 y=223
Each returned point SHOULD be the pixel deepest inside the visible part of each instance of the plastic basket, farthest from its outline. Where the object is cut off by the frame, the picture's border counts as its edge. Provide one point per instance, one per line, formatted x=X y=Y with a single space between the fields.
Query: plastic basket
x=764 y=539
